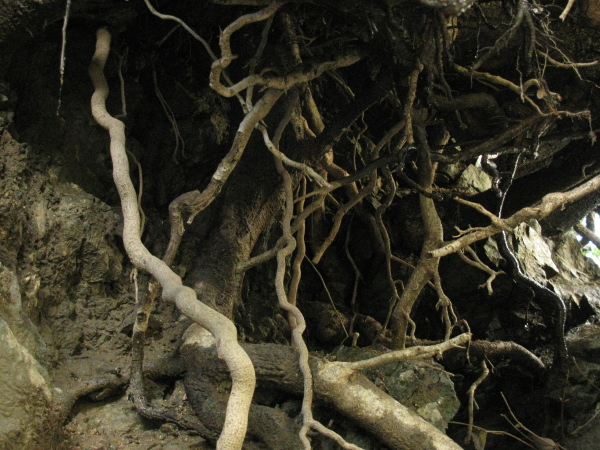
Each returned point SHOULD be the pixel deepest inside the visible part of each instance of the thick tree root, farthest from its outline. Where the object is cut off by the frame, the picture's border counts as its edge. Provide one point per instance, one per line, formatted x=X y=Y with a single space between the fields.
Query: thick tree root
x=224 y=331
x=338 y=384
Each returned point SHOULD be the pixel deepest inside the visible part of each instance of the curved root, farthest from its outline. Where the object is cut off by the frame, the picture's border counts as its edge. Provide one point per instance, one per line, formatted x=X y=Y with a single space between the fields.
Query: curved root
x=240 y=366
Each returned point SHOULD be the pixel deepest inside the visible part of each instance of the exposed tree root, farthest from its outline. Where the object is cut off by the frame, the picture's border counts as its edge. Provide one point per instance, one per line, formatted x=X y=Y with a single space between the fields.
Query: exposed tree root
x=427 y=265
x=337 y=383
x=588 y=234
x=306 y=153
x=547 y=205
x=500 y=350
x=242 y=371
x=476 y=262
x=195 y=202
x=471 y=398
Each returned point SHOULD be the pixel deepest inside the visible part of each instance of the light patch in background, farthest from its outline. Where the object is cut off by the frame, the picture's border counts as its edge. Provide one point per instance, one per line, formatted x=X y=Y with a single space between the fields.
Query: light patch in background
x=590 y=250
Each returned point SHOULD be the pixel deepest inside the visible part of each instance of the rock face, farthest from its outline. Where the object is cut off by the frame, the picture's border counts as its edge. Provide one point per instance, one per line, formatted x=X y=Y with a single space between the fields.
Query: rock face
x=422 y=386
x=558 y=264
x=474 y=180
x=116 y=424
x=16 y=320
x=26 y=398
x=56 y=256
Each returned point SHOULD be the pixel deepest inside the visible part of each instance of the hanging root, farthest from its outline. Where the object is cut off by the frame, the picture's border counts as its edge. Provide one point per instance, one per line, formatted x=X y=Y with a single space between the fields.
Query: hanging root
x=471 y=394
x=224 y=331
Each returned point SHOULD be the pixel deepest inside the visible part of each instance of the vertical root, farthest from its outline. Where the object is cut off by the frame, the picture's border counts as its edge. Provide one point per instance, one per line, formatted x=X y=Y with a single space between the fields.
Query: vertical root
x=471 y=394
x=224 y=331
